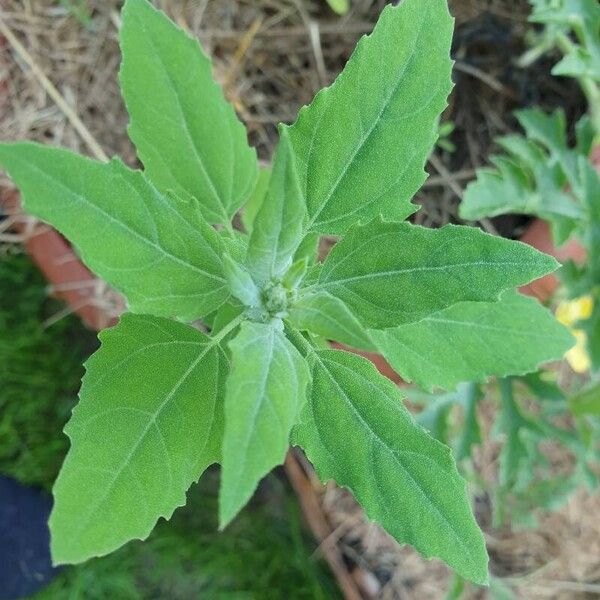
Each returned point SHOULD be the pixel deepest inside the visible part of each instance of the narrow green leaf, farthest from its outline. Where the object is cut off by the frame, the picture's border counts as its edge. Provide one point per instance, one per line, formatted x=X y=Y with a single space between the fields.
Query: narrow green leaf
x=328 y=316
x=471 y=341
x=470 y=436
x=277 y=229
x=350 y=144
x=148 y=423
x=186 y=134
x=155 y=249
x=309 y=248
x=394 y=273
x=512 y=424
x=355 y=430
x=265 y=392
x=240 y=282
x=256 y=199
x=295 y=274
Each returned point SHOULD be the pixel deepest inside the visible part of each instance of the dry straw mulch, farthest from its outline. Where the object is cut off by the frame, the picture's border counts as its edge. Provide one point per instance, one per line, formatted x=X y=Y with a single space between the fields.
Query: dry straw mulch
x=58 y=85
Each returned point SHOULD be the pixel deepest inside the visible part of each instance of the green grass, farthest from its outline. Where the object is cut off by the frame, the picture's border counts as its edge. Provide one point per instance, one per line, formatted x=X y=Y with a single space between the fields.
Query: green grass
x=265 y=554
x=40 y=371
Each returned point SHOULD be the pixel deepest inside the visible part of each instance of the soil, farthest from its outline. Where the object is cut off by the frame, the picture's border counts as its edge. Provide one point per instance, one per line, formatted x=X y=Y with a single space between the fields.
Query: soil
x=272 y=56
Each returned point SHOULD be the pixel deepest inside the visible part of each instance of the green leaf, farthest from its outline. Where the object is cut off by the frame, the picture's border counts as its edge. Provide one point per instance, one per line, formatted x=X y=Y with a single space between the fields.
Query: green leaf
x=256 y=199
x=328 y=316
x=265 y=392
x=148 y=423
x=360 y=147
x=513 y=425
x=586 y=402
x=309 y=248
x=186 y=134
x=241 y=284
x=471 y=341
x=356 y=431
x=548 y=129
x=156 y=249
x=470 y=396
x=393 y=273
x=341 y=7
x=525 y=182
x=277 y=229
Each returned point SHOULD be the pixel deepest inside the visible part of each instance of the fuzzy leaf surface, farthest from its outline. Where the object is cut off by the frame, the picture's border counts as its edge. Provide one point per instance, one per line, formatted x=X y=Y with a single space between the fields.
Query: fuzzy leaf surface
x=329 y=317
x=155 y=249
x=393 y=273
x=356 y=431
x=474 y=340
x=148 y=423
x=350 y=144
x=265 y=392
x=188 y=137
x=277 y=229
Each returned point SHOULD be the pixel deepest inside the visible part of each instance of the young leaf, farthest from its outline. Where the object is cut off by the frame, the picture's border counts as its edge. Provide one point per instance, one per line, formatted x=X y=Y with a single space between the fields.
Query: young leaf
x=350 y=144
x=355 y=430
x=240 y=282
x=256 y=199
x=473 y=340
x=341 y=7
x=148 y=423
x=186 y=134
x=277 y=229
x=265 y=392
x=124 y=229
x=391 y=273
x=328 y=316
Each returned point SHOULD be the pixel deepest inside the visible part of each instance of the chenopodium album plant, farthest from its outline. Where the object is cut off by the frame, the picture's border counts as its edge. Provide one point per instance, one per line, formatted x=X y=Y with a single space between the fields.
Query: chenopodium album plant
x=162 y=400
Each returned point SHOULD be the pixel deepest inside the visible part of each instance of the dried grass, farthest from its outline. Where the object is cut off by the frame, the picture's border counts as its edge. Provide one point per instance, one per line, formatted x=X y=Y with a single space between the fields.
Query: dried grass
x=272 y=56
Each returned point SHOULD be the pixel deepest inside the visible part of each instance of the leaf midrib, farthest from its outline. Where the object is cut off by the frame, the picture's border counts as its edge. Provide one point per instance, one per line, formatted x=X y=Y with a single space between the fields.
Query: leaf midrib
x=155 y=415
x=395 y=453
x=386 y=274
x=120 y=224
x=370 y=131
x=188 y=133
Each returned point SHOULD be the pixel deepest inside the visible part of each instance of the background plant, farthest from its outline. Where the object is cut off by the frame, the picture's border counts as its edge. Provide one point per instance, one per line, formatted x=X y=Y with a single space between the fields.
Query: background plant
x=544 y=175
x=171 y=400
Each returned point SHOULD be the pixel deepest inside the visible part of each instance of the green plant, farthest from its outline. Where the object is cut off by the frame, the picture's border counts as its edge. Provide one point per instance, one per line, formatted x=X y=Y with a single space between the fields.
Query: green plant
x=161 y=400
x=79 y=9
x=542 y=174
x=341 y=7
x=444 y=132
x=40 y=370
x=264 y=553
x=529 y=420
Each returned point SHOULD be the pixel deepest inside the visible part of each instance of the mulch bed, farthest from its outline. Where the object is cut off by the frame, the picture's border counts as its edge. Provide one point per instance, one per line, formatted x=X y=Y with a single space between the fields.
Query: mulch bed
x=272 y=56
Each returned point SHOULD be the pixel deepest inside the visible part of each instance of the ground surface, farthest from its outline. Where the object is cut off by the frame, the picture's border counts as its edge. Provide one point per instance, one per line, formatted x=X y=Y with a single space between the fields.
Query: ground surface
x=272 y=56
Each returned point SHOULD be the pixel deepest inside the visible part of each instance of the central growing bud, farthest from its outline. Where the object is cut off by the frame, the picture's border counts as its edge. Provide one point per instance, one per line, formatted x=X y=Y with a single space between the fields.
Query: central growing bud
x=275 y=298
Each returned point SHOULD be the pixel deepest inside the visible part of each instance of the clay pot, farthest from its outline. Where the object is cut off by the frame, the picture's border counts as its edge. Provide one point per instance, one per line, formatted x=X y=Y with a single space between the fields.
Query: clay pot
x=539 y=236
x=71 y=281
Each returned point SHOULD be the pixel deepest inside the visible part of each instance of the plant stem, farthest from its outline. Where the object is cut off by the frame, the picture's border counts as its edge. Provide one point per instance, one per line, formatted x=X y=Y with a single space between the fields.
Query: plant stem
x=588 y=85
x=227 y=329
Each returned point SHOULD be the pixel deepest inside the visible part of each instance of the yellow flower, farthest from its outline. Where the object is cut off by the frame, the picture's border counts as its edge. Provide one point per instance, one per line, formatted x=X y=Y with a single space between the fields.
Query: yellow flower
x=568 y=313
